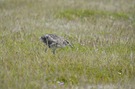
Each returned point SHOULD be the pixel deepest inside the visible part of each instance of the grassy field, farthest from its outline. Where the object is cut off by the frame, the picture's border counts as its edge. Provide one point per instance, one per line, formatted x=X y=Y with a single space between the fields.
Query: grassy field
x=102 y=33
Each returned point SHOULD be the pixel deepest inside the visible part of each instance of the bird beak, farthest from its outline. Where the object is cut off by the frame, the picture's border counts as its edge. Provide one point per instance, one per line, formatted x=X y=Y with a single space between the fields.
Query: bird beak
x=40 y=38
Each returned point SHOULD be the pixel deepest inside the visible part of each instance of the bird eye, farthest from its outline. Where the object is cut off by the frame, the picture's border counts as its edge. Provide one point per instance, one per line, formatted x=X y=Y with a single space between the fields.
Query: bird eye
x=46 y=37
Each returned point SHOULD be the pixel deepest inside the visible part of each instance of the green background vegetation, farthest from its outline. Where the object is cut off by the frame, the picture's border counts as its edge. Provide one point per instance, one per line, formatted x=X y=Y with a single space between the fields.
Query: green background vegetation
x=102 y=33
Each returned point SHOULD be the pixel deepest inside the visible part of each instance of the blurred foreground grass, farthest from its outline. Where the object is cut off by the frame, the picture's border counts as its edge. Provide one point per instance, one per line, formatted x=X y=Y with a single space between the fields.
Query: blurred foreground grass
x=103 y=39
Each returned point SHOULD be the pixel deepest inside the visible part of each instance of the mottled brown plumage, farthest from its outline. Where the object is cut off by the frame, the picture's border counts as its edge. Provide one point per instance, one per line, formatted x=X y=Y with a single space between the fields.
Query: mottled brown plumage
x=53 y=41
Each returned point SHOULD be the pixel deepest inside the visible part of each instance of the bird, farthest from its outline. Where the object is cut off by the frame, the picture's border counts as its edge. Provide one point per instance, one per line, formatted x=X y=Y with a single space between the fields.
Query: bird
x=53 y=42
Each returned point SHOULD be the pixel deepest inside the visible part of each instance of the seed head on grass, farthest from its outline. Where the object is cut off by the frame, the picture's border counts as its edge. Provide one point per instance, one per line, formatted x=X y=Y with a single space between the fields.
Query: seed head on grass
x=53 y=42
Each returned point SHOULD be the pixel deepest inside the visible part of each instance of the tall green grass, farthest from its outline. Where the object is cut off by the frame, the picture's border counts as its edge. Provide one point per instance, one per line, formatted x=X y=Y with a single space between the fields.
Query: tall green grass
x=103 y=54
x=74 y=13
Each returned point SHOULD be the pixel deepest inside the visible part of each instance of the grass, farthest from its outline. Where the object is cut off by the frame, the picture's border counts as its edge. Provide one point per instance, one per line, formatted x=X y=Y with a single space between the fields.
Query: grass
x=73 y=13
x=103 y=38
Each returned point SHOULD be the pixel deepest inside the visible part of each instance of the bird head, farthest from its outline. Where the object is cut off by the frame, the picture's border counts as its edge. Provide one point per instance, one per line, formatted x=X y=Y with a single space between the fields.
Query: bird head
x=44 y=39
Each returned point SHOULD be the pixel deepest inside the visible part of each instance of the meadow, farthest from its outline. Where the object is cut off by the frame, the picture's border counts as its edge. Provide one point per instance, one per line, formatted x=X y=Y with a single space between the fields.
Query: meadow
x=102 y=33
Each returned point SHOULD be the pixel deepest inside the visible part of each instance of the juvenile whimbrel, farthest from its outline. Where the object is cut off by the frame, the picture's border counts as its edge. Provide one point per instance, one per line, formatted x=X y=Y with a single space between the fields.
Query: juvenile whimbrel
x=53 y=41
